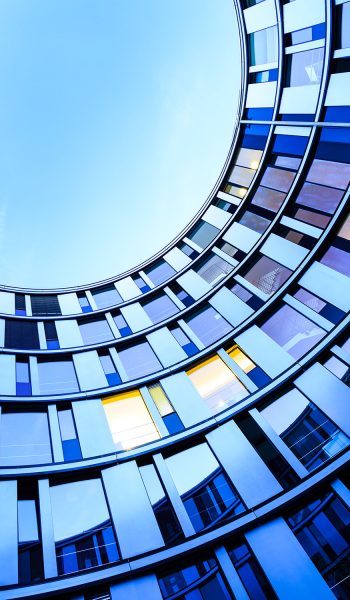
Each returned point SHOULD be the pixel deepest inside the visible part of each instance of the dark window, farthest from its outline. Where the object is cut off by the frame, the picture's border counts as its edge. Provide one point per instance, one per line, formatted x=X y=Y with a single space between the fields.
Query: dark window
x=69 y=438
x=23 y=385
x=122 y=325
x=51 y=335
x=141 y=284
x=21 y=334
x=30 y=556
x=186 y=344
x=208 y=325
x=200 y=581
x=84 y=303
x=45 y=305
x=20 y=304
x=185 y=298
x=250 y=572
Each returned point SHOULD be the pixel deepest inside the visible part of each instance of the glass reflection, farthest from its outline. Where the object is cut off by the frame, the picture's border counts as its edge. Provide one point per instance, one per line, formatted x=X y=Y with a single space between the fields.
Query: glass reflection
x=205 y=490
x=24 y=439
x=83 y=532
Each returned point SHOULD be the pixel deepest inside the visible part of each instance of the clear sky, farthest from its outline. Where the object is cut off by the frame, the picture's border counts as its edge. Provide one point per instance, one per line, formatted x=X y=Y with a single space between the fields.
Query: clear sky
x=115 y=119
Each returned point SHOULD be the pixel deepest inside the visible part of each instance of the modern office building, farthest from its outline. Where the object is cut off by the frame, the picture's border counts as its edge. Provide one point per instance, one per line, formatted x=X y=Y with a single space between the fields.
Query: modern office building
x=182 y=430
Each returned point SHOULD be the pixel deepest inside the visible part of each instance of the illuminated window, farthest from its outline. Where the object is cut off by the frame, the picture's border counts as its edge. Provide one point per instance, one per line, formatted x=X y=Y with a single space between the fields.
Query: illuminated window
x=255 y=373
x=216 y=384
x=129 y=420
x=165 y=408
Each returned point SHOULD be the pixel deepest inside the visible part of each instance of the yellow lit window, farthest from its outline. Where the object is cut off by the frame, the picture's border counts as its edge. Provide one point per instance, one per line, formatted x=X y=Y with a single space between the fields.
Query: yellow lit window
x=241 y=359
x=216 y=384
x=129 y=420
x=160 y=399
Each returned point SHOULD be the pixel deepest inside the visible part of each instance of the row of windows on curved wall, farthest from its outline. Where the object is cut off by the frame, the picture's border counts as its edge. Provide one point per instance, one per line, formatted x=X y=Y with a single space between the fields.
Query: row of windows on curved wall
x=309 y=428
x=88 y=523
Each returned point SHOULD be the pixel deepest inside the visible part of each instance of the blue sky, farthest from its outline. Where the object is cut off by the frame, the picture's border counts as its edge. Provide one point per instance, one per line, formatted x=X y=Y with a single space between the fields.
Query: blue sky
x=115 y=120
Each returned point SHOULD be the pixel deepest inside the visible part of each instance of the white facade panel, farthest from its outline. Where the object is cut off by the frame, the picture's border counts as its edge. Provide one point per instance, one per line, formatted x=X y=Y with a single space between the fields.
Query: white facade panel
x=177 y=259
x=89 y=370
x=166 y=347
x=261 y=95
x=136 y=317
x=8 y=374
x=131 y=510
x=7 y=303
x=94 y=434
x=8 y=533
x=260 y=16
x=264 y=351
x=332 y=286
x=69 y=304
x=127 y=288
x=232 y=308
x=300 y=14
x=241 y=237
x=216 y=216
x=68 y=333
x=185 y=399
x=299 y=99
x=193 y=284
x=337 y=93
x=285 y=252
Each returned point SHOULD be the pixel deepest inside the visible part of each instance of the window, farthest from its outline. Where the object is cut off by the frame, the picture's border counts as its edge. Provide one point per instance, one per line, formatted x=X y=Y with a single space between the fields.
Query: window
x=330 y=173
x=160 y=272
x=250 y=572
x=83 y=532
x=139 y=360
x=180 y=293
x=51 y=335
x=24 y=438
x=20 y=304
x=322 y=528
x=269 y=199
x=213 y=269
x=307 y=431
x=129 y=420
x=95 y=331
x=263 y=46
x=216 y=384
x=255 y=373
x=84 y=303
x=342 y=19
x=205 y=490
x=190 y=252
x=122 y=325
x=254 y=221
x=267 y=275
x=208 y=325
x=166 y=410
x=292 y=331
x=57 y=376
x=141 y=284
x=21 y=334
x=45 y=305
x=69 y=438
x=162 y=507
x=201 y=580
x=109 y=369
x=203 y=233
x=326 y=310
x=23 y=385
x=160 y=308
x=337 y=259
x=30 y=557
x=319 y=197
x=278 y=179
x=183 y=340
x=305 y=68
x=106 y=296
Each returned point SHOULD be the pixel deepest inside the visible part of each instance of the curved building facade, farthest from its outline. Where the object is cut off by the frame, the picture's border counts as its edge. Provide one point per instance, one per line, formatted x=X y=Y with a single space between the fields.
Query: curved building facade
x=182 y=431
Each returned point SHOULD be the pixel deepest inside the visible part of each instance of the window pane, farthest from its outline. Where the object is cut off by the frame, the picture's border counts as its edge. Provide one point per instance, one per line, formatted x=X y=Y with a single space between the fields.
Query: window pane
x=24 y=438
x=57 y=377
x=106 y=296
x=129 y=420
x=267 y=275
x=209 y=326
x=305 y=68
x=160 y=272
x=95 y=332
x=139 y=360
x=160 y=308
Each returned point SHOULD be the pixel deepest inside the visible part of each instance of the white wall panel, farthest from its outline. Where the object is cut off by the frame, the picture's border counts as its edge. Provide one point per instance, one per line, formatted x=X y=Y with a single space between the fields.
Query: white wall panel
x=300 y=14
x=136 y=317
x=69 y=304
x=7 y=374
x=7 y=303
x=260 y=16
x=241 y=237
x=233 y=309
x=89 y=370
x=261 y=95
x=264 y=351
x=166 y=347
x=8 y=533
x=68 y=333
x=185 y=399
x=299 y=99
x=216 y=216
x=177 y=259
x=330 y=285
x=285 y=252
x=337 y=94
x=94 y=434
x=193 y=284
x=127 y=288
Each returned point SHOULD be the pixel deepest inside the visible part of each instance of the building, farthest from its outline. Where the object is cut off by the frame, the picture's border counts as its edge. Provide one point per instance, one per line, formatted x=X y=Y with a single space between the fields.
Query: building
x=182 y=431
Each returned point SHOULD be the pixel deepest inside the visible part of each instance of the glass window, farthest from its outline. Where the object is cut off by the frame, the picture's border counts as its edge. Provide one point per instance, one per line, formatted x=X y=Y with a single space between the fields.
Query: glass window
x=95 y=332
x=183 y=340
x=305 y=68
x=250 y=572
x=267 y=275
x=292 y=331
x=51 y=335
x=69 y=438
x=160 y=308
x=249 y=158
x=139 y=360
x=109 y=369
x=141 y=284
x=84 y=303
x=57 y=377
x=162 y=507
x=23 y=385
x=30 y=557
x=186 y=249
x=213 y=269
x=319 y=197
x=337 y=259
x=160 y=272
x=322 y=528
x=122 y=325
x=180 y=293
x=129 y=420
x=343 y=25
x=255 y=373
x=24 y=438
x=45 y=305
x=278 y=179
x=200 y=581
x=307 y=431
x=21 y=335
x=208 y=325
x=20 y=304
x=263 y=46
x=106 y=296
x=205 y=490
x=269 y=199
x=241 y=176
x=83 y=532
x=254 y=221
x=203 y=234
x=216 y=384
x=166 y=410
x=330 y=173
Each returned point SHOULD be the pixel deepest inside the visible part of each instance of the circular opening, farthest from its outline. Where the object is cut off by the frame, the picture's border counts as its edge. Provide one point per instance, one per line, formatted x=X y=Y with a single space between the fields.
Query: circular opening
x=116 y=119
